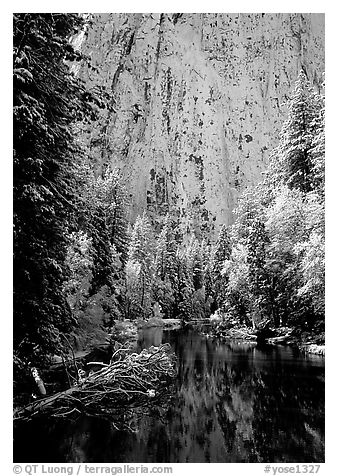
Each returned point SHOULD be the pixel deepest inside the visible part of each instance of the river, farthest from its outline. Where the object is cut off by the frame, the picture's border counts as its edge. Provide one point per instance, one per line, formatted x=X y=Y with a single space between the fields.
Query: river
x=231 y=402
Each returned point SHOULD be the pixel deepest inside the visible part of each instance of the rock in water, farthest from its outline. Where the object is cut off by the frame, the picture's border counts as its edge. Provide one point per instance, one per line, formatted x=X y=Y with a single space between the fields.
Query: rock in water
x=197 y=103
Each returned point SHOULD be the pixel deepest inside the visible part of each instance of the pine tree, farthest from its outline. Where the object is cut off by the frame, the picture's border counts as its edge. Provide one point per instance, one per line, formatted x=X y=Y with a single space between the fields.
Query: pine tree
x=206 y=254
x=165 y=263
x=293 y=163
x=222 y=253
x=140 y=259
x=317 y=151
x=259 y=282
x=48 y=100
x=166 y=248
x=184 y=286
x=237 y=300
x=276 y=268
x=79 y=260
x=103 y=217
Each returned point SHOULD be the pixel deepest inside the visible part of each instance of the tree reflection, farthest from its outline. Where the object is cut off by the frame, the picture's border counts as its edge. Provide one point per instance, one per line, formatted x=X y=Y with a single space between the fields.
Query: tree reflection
x=231 y=402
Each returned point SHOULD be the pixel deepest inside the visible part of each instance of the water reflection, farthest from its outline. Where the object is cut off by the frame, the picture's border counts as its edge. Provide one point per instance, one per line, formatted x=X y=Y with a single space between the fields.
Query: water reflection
x=232 y=402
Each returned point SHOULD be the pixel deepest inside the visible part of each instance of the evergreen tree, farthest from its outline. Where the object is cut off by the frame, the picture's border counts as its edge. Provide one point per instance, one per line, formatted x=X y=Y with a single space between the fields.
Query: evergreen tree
x=221 y=254
x=48 y=100
x=141 y=266
x=286 y=226
x=165 y=264
x=237 y=300
x=79 y=260
x=251 y=206
x=279 y=229
x=184 y=286
x=310 y=250
x=293 y=163
x=206 y=264
x=166 y=248
x=317 y=151
x=103 y=216
x=258 y=275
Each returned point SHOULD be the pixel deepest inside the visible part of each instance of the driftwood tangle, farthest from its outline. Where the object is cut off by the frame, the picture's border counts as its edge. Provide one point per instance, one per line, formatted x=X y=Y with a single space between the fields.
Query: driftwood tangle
x=129 y=379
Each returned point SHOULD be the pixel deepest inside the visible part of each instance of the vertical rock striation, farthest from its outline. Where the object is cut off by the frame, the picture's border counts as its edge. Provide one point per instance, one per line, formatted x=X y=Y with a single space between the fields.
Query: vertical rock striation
x=196 y=103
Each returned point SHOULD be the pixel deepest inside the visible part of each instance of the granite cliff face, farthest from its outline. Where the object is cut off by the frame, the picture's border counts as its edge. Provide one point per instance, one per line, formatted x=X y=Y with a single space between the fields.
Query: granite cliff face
x=197 y=103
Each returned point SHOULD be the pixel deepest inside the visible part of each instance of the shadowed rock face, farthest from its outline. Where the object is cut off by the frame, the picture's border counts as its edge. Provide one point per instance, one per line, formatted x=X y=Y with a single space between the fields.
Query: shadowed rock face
x=197 y=103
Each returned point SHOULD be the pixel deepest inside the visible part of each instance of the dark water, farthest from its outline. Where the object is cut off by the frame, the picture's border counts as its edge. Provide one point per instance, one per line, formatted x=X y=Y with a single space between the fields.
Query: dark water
x=231 y=403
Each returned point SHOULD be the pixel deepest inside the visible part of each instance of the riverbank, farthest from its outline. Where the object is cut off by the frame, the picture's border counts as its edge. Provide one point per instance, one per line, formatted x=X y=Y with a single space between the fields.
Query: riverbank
x=308 y=342
x=128 y=330
x=313 y=349
x=245 y=388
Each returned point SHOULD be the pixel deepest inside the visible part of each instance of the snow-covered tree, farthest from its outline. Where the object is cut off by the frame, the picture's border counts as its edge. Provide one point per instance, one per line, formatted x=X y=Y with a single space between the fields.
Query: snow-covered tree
x=294 y=162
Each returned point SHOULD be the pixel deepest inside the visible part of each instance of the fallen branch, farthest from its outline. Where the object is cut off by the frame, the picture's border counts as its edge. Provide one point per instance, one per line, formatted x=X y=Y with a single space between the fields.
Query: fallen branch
x=128 y=380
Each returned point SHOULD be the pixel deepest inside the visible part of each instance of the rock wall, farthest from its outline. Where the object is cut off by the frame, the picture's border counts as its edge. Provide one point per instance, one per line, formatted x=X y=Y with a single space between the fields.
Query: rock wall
x=196 y=103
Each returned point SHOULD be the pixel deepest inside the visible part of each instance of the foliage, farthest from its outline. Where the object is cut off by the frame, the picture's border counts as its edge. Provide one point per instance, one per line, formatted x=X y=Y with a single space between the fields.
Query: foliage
x=164 y=270
x=102 y=210
x=70 y=227
x=258 y=276
x=276 y=265
x=221 y=254
x=311 y=252
x=79 y=265
x=139 y=269
x=79 y=260
x=165 y=284
x=48 y=100
x=295 y=163
x=237 y=302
